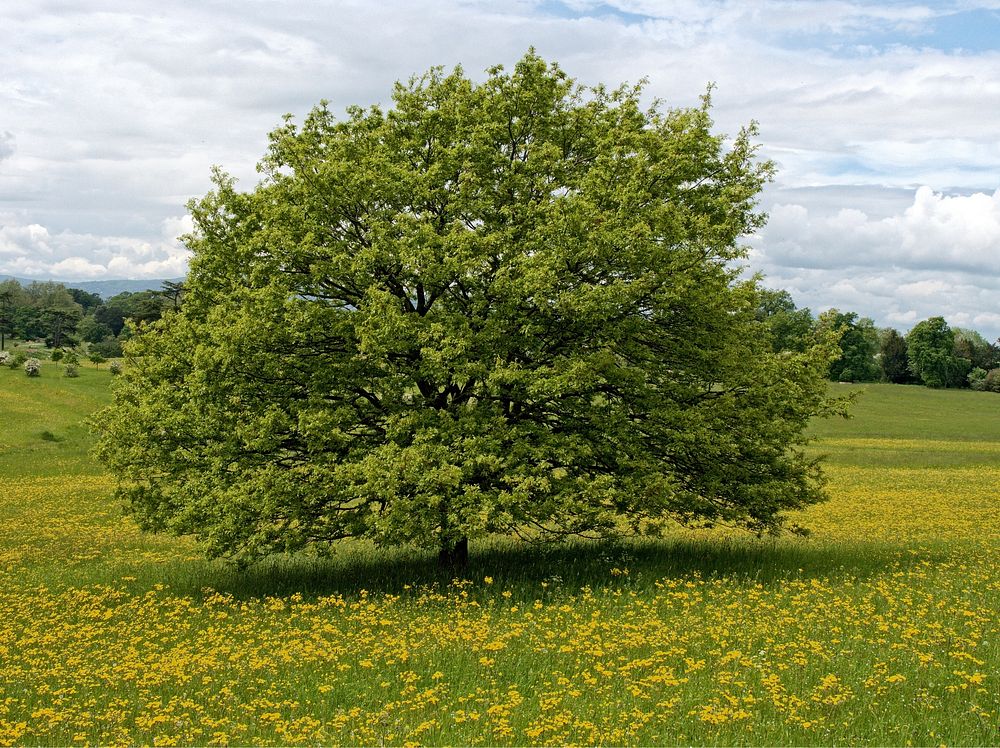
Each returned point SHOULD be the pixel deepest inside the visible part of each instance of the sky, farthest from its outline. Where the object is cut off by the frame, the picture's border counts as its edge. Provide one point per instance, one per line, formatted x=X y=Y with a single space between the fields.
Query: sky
x=883 y=120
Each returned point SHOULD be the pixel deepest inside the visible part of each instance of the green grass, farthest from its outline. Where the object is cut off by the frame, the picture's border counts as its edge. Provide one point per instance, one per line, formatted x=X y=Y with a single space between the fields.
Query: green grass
x=879 y=628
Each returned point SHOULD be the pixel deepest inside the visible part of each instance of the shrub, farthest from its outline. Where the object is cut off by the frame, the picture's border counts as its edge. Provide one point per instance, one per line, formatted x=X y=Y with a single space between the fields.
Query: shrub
x=992 y=381
x=71 y=370
x=115 y=367
x=977 y=379
x=33 y=367
x=18 y=359
x=70 y=358
x=57 y=354
x=5 y=358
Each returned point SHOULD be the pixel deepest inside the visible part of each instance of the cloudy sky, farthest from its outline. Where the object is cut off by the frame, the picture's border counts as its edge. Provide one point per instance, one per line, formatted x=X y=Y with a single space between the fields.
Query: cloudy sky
x=883 y=119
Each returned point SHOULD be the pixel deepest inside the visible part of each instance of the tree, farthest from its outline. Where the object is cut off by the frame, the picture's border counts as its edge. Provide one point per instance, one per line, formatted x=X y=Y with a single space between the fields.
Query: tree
x=92 y=331
x=6 y=320
x=858 y=346
x=510 y=307
x=930 y=345
x=791 y=328
x=973 y=347
x=173 y=292
x=143 y=306
x=87 y=300
x=60 y=322
x=894 y=362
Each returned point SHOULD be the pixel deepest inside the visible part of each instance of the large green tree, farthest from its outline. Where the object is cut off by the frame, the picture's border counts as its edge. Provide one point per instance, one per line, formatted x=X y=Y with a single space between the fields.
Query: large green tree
x=506 y=307
x=930 y=347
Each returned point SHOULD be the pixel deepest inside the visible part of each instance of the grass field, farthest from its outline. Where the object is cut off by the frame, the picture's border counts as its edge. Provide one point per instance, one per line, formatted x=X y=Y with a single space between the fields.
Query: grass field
x=879 y=628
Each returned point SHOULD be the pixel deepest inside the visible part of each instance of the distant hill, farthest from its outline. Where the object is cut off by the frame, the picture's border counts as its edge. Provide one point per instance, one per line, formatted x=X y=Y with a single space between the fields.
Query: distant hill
x=103 y=288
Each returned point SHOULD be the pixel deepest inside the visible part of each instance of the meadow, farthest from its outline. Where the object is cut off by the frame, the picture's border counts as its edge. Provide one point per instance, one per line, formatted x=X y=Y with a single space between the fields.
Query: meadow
x=880 y=627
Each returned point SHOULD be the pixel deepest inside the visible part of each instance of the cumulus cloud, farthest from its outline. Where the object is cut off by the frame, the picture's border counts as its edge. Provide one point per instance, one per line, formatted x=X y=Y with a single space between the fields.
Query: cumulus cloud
x=938 y=256
x=33 y=251
x=120 y=109
x=936 y=232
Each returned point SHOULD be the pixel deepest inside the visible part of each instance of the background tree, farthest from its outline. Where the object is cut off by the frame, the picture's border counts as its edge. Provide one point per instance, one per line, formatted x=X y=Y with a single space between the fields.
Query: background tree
x=92 y=331
x=506 y=307
x=88 y=301
x=930 y=346
x=172 y=292
x=6 y=318
x=791 y=328
x=973 y=347
x=142 y=306
x=893 y=360
x=858 y=346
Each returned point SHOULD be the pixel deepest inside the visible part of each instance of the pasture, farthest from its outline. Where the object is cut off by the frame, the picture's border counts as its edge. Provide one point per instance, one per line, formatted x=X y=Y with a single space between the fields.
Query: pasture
x=880 y=627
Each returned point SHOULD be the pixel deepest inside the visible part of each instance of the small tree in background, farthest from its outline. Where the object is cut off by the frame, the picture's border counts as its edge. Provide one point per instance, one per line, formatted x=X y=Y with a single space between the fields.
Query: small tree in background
x=858 y=346
x=930 y=347
x=791 y=328
x=96 y=359
x=893 y=359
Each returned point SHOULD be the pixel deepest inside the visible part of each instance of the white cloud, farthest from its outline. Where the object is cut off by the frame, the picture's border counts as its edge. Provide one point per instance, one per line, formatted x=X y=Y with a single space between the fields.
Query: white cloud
x=118 y=110
x=938 y=256
x=33 y=251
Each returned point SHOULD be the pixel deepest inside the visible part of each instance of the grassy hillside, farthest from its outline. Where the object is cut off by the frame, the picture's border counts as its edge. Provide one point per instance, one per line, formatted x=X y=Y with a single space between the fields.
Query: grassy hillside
x=881 y=627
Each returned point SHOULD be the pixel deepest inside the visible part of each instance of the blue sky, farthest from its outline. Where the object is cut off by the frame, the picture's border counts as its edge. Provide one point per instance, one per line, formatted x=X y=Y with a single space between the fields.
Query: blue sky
x=883 y=119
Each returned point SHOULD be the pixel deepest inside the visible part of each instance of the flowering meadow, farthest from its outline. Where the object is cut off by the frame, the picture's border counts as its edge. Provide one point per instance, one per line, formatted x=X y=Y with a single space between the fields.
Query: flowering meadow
x=880 y=627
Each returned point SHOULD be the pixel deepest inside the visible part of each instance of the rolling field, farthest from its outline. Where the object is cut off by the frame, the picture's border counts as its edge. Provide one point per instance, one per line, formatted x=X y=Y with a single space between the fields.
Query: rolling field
x=881 y=627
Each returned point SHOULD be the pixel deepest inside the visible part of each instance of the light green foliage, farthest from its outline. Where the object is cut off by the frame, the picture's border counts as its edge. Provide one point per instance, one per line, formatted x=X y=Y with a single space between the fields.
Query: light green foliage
x=499 y=308
x=115 y=367
x=71 y=370
x=930 y=346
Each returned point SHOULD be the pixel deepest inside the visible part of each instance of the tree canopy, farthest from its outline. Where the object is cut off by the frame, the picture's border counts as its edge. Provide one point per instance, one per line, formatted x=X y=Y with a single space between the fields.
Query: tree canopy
x=931 y=350
x=504 y=307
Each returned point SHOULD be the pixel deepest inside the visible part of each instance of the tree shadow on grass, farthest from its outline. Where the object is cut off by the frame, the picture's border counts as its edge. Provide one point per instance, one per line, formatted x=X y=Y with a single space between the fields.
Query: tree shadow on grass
x=531 y=571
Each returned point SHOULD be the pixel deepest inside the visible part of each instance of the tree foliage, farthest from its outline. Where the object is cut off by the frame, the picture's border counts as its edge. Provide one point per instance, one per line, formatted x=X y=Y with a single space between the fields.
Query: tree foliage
x=791 y=328
x=930 y=346
x=509 y=307
x=893 y=359
x=858 y=346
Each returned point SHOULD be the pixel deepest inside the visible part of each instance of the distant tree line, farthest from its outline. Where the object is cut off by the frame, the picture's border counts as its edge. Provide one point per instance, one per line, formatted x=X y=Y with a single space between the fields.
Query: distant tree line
x=65 y=317
x=932 y=353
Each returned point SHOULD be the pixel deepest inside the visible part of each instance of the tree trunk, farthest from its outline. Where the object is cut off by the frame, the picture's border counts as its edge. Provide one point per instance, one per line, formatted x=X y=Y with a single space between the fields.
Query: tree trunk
x=454 y=556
